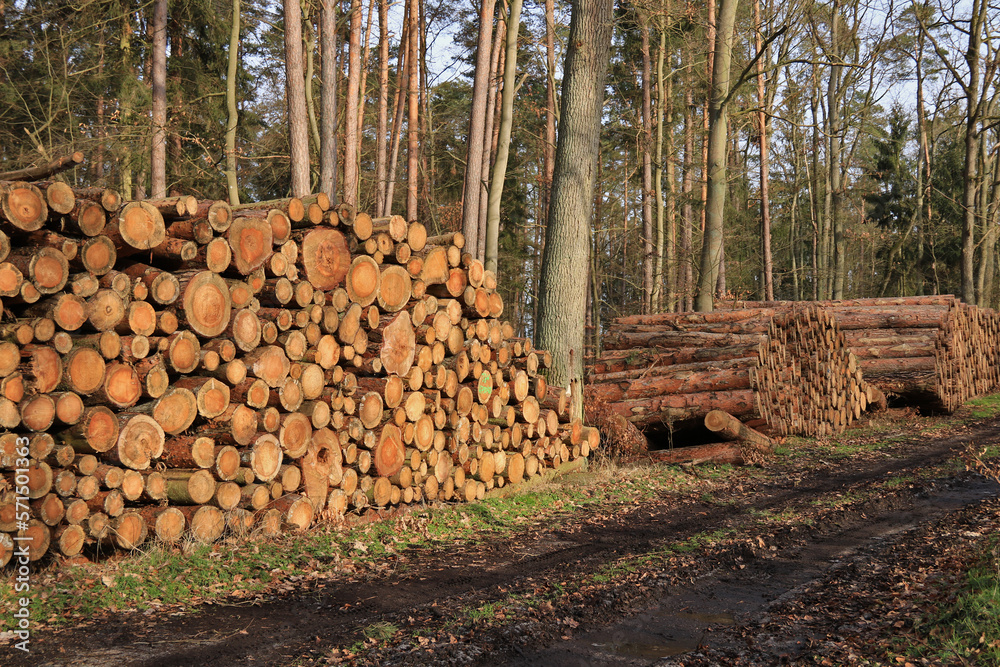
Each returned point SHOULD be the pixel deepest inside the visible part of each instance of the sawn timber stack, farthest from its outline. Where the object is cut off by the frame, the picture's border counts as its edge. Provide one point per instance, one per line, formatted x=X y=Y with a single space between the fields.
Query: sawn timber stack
x=178 y=367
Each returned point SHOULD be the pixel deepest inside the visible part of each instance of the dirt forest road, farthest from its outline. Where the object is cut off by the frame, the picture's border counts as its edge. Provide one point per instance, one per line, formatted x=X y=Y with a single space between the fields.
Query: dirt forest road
x=793 y=564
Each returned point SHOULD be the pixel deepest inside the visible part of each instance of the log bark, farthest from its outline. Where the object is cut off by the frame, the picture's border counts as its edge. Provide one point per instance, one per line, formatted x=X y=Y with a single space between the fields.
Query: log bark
x=730 y=428
x=48 y=170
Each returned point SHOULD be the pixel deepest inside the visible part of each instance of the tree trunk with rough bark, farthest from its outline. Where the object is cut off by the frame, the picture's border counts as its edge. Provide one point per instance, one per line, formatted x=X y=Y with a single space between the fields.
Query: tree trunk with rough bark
x=647 y=176
x=232 y=185
x=351 y=134
x=564 y=264
x=503 y=143
x=328 y=101
x=295 y=91
x=711 y=254
x=158 y=157
x=477 y=128
x=413 y=114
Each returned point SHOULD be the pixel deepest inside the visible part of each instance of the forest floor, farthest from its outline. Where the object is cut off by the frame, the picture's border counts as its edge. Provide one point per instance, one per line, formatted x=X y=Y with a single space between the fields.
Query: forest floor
x=842 y=550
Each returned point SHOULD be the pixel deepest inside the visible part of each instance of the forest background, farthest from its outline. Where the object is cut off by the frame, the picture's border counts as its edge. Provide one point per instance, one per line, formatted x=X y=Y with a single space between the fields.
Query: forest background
x=862 y=146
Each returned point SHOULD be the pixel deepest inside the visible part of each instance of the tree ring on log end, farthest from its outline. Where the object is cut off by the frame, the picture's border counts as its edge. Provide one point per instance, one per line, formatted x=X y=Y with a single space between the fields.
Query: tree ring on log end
x=101 y=428
x=363 y=280
x=175 y=410
x=122 y=385
x=141 y=225
x=206 y=304
x=49 y=270
x=46 y=368
x=390 y=454
x=10 y=280
x=142 y=438
x=326 y=258
x=24 y=207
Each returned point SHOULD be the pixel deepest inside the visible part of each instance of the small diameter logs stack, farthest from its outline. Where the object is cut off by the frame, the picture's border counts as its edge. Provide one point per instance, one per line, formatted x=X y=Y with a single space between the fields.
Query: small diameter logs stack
x=787 y=366
x=932 y=352
x=179 y=368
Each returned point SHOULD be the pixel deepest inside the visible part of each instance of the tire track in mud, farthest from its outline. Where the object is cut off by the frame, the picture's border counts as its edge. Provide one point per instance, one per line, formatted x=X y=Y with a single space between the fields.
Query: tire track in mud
x=683 y=620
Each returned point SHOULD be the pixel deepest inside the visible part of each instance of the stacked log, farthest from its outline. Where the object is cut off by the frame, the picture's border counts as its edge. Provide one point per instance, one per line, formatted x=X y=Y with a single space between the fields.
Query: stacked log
x=179 y=367
x=787 y=366
x=664 y=370
x=809 y=382
x=932 y=352
x=672 y=369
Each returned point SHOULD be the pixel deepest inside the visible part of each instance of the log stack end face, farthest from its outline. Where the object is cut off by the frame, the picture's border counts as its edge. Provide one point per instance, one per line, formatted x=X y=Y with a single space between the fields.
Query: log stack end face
x=196 y=367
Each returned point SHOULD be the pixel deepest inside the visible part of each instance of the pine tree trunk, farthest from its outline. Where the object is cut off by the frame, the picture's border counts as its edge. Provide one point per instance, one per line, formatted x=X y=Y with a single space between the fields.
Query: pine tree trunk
x=835 y=148
x=351 y=135
x=686 y=272
x=403 y=77
x=295 y=91
x=328 y=101
x=381 y=143
x=711 y=255
x=647 y=177
x=309 y=46
x=503 y=143
x=477 y=129
x=670 y=231
x=969 y=176
x=413 y=114
x=158 y=156
x=232 y=185
x=765 y=205
x=657 y=294
x=490 y=136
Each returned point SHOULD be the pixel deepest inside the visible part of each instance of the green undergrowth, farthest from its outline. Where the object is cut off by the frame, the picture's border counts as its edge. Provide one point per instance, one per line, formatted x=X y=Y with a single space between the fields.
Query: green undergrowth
x=985 y=407
x=963 y=621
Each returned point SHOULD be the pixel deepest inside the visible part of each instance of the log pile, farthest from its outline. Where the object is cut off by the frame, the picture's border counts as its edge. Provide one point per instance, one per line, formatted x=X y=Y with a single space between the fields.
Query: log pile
x=177 y=367
x=932 y=352
x=809 y=382
x=664 y=370
x=804 y=368
x=789 y=366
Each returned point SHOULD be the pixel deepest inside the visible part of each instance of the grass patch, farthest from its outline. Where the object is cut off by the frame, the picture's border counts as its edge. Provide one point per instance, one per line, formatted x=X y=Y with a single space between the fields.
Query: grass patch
x=985 y=407
x=838 y=500
x=967 y=624
x=381 y=631
x=235 y=570
x=483 y=613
